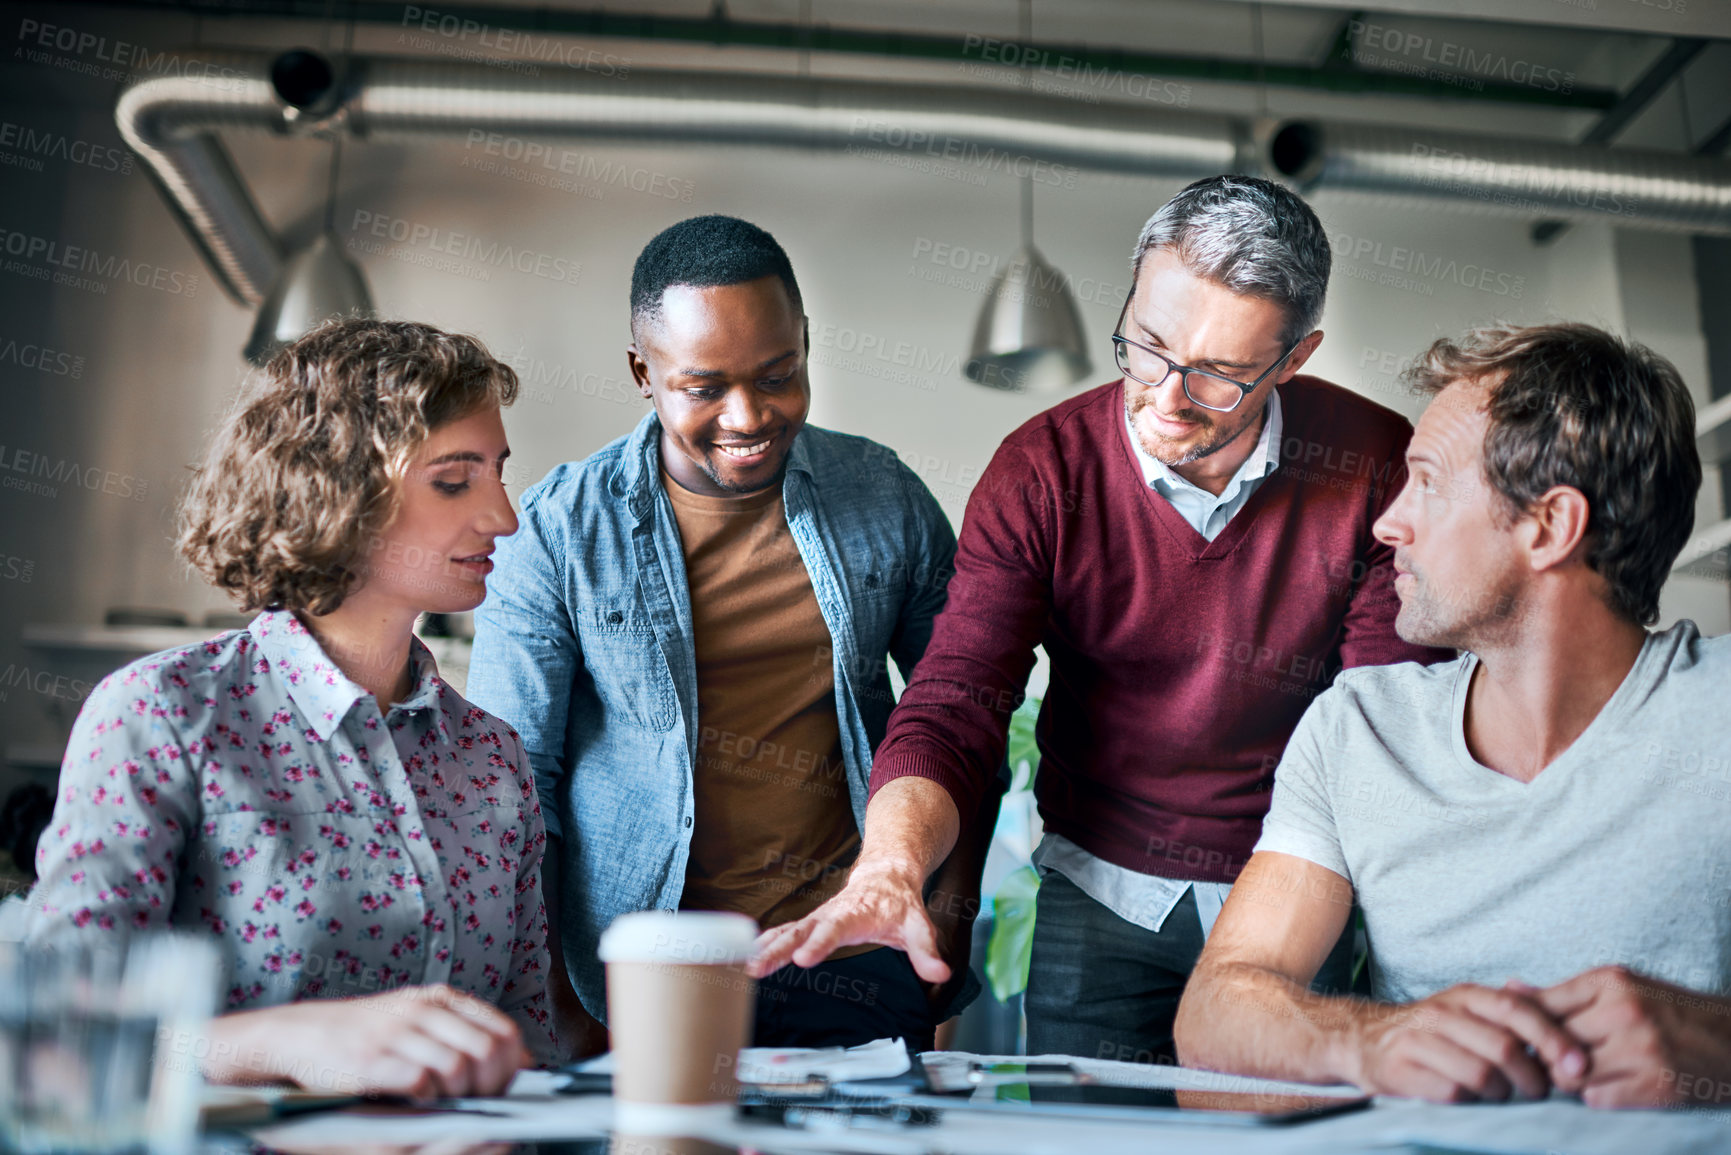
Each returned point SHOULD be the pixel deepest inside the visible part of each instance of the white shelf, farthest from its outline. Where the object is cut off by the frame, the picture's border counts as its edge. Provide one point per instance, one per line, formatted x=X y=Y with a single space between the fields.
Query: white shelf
x=1706 y=553
x=35 y=755
x=115 y=639
x=1713 y=431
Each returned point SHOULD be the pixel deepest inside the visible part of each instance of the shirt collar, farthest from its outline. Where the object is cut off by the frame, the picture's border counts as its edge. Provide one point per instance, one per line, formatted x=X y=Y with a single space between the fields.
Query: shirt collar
x=1262 y=461
x=317 y=685
x=639 y=469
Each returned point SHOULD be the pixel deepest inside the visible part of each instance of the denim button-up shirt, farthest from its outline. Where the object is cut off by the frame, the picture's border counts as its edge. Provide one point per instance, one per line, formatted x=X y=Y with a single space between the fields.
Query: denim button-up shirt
x=245 y=788
x=584 y=644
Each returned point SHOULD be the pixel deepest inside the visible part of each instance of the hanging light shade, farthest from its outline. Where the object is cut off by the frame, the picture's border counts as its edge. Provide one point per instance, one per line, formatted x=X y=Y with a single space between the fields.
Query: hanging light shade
x=316 y=284
x=1029 y=335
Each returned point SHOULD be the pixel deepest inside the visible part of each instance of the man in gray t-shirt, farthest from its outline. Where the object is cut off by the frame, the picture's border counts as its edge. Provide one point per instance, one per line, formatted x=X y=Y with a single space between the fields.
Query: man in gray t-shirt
x=1617 y=853
x=1538 y=832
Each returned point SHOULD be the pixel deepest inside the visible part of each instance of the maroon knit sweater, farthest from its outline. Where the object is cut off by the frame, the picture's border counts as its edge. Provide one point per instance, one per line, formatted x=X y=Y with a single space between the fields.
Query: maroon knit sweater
x=1179 y=666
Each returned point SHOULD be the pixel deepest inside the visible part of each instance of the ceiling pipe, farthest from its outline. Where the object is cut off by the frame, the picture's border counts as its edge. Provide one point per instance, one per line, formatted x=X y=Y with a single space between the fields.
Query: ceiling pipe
x=170 y=123
x=1639 y=188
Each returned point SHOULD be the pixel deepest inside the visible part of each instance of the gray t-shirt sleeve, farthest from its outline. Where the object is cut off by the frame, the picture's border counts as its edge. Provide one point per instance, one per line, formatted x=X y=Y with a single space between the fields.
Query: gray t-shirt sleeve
x=1300 y=818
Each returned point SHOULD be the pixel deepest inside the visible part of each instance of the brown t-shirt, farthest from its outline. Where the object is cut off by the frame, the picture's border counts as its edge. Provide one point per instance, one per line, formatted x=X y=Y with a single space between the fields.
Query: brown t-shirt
x=775 y=832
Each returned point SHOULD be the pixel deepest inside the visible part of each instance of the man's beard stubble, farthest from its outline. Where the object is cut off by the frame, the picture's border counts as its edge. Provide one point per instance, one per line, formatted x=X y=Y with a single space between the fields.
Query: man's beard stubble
x=1213 y=441
x=1479 y=620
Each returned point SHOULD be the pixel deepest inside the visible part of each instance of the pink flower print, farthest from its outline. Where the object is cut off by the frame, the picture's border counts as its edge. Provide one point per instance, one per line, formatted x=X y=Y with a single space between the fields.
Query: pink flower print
x=268 y=827
x=484 y=827
x=276 y=892
x=214 y=789
x=148 y=795
x=308 y=882
x=140 y=920
x=443 y=954
x=343 y=873
x=82 y=917
x=333 y=926
x=234 y=887
x=273 y=964
x=375 y=931
x=473 y=922
x=340 y=806
x=231 y=858
x=248 y=932
x=305 y=909
x=277 y=794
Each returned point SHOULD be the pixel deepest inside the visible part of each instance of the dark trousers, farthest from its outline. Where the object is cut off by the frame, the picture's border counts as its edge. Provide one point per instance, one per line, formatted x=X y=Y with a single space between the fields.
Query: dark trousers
x=846 y=1002
x=1103 y=988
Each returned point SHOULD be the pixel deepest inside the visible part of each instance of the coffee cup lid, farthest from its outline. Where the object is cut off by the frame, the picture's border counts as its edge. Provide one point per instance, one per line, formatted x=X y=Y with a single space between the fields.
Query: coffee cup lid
x=688 y=936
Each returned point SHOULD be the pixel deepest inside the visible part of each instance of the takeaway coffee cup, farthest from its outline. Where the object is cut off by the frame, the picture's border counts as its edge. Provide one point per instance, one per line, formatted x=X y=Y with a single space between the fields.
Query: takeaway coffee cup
x=679 y=1007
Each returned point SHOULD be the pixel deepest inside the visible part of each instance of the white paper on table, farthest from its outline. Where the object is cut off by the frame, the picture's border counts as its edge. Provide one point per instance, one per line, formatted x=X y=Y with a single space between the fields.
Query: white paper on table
x=775 y=1066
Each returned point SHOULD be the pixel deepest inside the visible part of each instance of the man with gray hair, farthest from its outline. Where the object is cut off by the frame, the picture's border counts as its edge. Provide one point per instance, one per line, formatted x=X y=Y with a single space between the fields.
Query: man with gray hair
x=1192 y=546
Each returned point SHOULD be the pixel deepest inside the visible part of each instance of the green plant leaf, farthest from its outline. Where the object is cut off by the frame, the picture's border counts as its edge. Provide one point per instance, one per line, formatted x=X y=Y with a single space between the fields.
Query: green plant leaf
x=1022 y=752
x=1012 y=941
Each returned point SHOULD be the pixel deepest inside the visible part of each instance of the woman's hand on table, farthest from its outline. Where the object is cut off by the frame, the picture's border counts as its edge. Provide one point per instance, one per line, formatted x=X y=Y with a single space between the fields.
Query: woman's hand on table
x=424 y=1042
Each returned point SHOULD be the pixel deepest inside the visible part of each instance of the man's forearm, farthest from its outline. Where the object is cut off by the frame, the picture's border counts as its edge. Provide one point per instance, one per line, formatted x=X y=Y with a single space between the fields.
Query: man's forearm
x=1253 y=1021
x=953 y=896
x=911 y=826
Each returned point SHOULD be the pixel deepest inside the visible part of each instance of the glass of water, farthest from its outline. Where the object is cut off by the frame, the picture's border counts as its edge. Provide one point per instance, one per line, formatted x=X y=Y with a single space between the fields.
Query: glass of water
x=87 y=1061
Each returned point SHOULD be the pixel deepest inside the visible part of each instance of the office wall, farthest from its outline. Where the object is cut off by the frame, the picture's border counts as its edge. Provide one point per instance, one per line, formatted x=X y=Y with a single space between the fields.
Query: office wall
x=893 y=262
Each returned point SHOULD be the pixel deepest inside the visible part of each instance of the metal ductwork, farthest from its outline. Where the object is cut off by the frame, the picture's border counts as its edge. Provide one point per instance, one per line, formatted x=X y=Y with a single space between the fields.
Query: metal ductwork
x=1533 y=179
x=170 y=121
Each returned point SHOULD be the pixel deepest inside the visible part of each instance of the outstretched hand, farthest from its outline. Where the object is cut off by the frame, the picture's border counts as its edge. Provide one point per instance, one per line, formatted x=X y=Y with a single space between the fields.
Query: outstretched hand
x=878 y=905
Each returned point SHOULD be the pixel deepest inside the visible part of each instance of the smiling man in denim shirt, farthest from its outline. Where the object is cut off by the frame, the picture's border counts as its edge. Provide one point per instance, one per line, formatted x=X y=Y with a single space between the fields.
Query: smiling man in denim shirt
x=691 y=631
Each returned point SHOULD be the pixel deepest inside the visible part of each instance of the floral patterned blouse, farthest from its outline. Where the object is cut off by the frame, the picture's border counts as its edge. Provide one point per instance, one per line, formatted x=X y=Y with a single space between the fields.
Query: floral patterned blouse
x=244 y=786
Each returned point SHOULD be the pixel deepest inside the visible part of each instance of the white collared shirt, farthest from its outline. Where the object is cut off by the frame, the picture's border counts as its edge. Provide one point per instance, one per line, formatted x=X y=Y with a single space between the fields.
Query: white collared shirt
x=1206 y=513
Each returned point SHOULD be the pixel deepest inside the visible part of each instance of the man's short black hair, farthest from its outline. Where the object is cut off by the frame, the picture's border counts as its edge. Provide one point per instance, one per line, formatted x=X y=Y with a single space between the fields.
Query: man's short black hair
x=705 y=252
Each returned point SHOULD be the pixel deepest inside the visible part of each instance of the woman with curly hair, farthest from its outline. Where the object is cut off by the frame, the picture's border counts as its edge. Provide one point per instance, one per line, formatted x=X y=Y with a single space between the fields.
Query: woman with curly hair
x=365 y=844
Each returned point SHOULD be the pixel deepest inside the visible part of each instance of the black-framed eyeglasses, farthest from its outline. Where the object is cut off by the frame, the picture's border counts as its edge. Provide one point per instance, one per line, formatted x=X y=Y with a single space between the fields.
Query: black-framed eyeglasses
x=1209 y=390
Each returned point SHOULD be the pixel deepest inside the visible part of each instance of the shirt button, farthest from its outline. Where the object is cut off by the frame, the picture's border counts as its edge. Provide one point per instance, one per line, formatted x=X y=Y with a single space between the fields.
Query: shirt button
x=688 y=822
